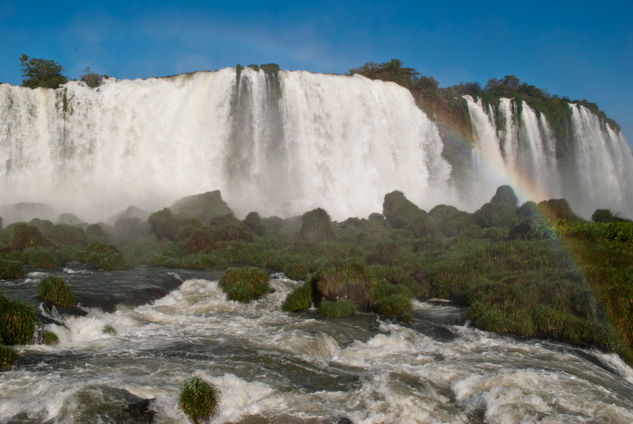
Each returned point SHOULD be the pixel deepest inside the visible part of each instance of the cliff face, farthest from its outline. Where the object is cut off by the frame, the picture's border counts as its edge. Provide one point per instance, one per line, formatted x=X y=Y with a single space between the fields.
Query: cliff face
x=284 y=142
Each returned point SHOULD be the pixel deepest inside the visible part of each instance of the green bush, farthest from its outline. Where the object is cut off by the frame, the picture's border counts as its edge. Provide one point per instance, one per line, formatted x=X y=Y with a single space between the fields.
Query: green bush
x=50 y=338
x=8 y=357
x=198 y=400
x=244 y=284
x=351 y=281
x=53 y=289
x=299 y=299
x=103 y=256
x=24 y=236
x=10 y=269
x=67 y=234
x=337 y=309
x=295 y=271
x=17 y=321
x=109 y=330
x=42 y=257
x=316 y=226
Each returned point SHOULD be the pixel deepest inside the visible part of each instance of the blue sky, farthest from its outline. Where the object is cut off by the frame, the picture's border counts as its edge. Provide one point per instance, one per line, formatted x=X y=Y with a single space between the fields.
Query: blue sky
x=576 y=49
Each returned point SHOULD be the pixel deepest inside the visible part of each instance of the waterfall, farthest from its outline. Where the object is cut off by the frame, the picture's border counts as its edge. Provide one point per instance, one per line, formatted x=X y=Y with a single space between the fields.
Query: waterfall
x=524 y=152
x=284 y=142
x=279 y=143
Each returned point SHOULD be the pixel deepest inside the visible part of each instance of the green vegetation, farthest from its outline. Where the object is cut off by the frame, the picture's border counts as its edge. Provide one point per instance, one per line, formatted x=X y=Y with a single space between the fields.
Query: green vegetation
x=198 y=400
x=8 y=357
x=17 y=321
x=10 y=269
x=352 y=282
x=103 y=256
x=92 y=79
x=41 y=72
x=109 y=330
x=244 y=284
x=299 y=299
x=337 y=309
x=50 y=339
x=53 y=289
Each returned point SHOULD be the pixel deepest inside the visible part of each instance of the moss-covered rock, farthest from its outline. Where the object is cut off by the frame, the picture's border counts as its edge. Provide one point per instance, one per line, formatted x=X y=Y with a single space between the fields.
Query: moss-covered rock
x=202 y=207
x=17 y=321
x=10 y=269
x=316 y=226
x=97 y=233
x=24 y=236
x=295 y=271
x=103 y=256
x=299 y=299
x=166 y=224
x=50 y=338
x=556 y=209
x=8 y=357
x=351 y=281
x=399 y=211
x=69 y=219
x=244 y=284
x=67 y=234
x=450 y=220
x=253 y=223
x=54 y=289
x=199 y=400
x=337 y=309
x=500 y=211
x=44 y=225
x=43 y=257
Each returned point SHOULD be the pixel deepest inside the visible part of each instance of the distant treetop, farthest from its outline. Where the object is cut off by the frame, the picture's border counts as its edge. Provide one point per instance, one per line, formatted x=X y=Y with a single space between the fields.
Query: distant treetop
x=41 y=72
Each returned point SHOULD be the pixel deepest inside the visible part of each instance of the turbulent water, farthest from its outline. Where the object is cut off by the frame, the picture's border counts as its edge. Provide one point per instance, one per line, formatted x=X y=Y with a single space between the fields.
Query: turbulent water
x=272 y=366
x=283 y=144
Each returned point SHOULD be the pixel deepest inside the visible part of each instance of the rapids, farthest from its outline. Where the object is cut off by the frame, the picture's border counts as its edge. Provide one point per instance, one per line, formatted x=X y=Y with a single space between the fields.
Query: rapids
x=272 y=366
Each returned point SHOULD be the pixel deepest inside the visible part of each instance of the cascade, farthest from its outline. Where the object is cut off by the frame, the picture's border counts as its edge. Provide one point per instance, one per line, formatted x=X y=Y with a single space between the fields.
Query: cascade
x=284 y=142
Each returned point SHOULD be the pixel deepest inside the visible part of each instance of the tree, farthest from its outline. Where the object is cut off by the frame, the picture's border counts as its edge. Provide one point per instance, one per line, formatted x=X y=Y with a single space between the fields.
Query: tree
x=92 y=79
x=41 y=72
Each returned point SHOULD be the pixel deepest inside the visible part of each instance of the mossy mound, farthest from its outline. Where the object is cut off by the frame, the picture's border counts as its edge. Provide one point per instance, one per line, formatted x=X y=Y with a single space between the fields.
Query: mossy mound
x=299 y=299
x=17 y=321
x=103 y=256
x=43 y=257
x=399 y=211
x=50 y=338
x=244 y=284
x=198 y=399
x=69 y=219
x=253 y=223
x=316 y=226
x=54 y=289
x=67 y=234
x=10 y=269
x=8 y=357
x=202 y=207
x=337 y=309
x=96 y=233
x=350 y=281
x=557 y=209
x=295 y=271
x=500 y=211
x=392 y=299
x=24 y=236
x=44 y=225
x=450 y=220
x=166 y=224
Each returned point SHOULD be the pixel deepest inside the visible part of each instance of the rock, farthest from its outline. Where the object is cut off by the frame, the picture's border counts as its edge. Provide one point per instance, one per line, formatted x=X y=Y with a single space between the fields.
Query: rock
x=500 y=211
x=129 y=213
x=399 y=211
x=67 y=234
x=555 y=209
x=202 y=207
x=174 y=227
x=101 y=403
x=69 y=219
x=26 y=211
x=450 y=220
x=316 y=226
x=252 y=222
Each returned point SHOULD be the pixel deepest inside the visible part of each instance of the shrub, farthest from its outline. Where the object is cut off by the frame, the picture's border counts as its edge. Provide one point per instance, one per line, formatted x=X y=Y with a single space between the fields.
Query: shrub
x=8 y=357
x=337 y=309
x=24 y=236
x=316 y=226
x=109 y=330
x=50 y=338
x=198 y=400
x=244 y=284
x=42 y=257
x=67 y=234
x=53 y=289
x=17 y=321
x=395 y=304
x=299 y=299
x=10 y=269
x=295 y=271
x=253 y=223
x=399 y=211
x=103 y=256
x=351 y=281
x=41 y=72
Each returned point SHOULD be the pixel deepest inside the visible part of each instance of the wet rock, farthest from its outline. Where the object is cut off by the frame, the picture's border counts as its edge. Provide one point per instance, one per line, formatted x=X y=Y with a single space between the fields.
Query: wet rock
x=202 y=207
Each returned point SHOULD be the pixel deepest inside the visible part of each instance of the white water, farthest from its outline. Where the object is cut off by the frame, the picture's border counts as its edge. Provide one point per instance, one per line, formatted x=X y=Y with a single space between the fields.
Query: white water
x=293 y=367
x=331 y=141
x=597 y=174
x=284 y=145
